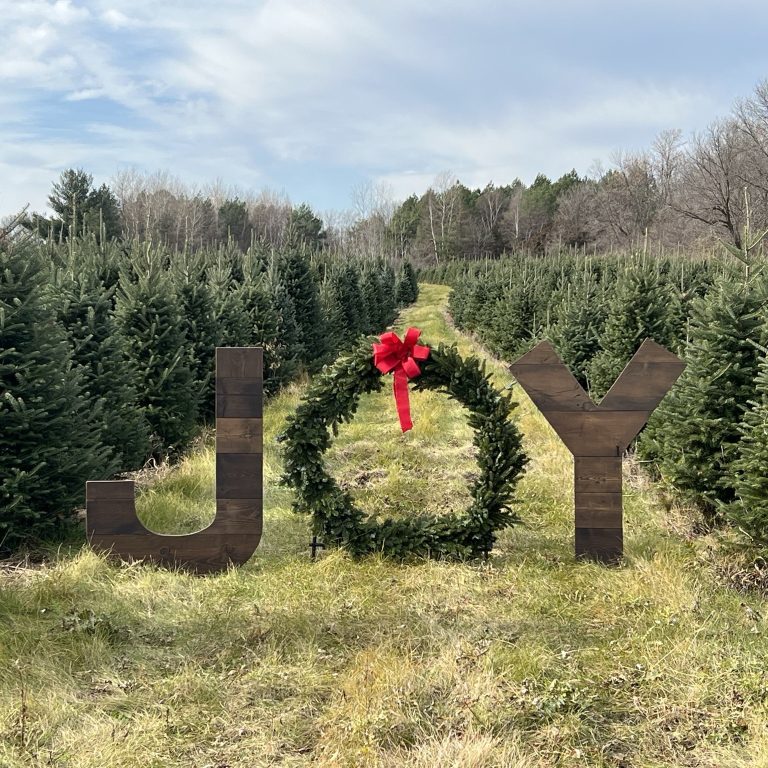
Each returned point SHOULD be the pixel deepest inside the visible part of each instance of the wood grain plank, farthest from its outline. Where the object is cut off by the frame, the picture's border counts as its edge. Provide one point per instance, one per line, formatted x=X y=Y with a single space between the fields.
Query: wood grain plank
x=239 y=476
x=109 y=489
x=239 y=363
x=641 y=386
x=250 y=387
x=238 y=407
x=239 y=435
x=597 y=433
x=114 y=516
x=651 y=351
x=552 y=387
x=542 y=354
x=594 y=474
x=598 y=510
x=604 y=545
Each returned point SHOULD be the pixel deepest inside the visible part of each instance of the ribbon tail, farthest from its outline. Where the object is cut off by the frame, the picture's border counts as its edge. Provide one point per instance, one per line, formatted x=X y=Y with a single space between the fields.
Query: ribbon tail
x=402 y=400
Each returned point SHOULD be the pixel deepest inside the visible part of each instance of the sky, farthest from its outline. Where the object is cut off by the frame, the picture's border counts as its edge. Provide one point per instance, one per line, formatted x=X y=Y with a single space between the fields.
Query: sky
x=313 y=98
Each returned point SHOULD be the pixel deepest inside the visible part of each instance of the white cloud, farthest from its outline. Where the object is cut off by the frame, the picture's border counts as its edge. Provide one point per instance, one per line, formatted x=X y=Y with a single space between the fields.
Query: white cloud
x=396 y=91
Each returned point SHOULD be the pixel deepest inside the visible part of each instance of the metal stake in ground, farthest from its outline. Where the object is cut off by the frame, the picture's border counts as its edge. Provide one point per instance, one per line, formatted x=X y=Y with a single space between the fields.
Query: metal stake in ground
x=598 y=435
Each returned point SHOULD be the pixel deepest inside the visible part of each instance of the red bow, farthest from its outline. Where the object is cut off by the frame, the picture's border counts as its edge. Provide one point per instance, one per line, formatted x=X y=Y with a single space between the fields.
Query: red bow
x=400 y=357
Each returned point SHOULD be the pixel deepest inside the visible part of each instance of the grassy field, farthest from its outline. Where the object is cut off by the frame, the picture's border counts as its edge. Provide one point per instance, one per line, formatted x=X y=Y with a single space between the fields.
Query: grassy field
x=526 y=660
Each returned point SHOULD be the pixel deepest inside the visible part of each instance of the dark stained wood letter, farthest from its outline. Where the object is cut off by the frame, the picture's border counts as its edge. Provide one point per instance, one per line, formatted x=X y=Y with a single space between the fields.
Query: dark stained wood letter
x=598 y=435
x=111 y=522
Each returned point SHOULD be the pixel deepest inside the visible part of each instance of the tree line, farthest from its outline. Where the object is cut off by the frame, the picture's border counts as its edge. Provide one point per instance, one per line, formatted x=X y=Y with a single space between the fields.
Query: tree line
x=678 y=193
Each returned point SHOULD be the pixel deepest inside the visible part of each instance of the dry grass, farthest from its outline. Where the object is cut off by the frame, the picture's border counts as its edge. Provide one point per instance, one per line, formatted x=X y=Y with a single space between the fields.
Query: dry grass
x=529 y=660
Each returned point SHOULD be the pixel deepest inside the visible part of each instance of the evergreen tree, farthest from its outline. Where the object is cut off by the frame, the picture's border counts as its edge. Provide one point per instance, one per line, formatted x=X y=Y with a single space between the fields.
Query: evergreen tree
x=749 y=510
x=346 y=286
x=333 y=315
x=388 y=280
x=50 y=432
x=640 y=306
x=305 y=229
x=693 y=436
x=150 y=318
x=285 y=346
x=79 y=208
x=577 y=326
x=300 y=281
x=199 y=323
x=85 y=309
x=373 y=294
x=234 y=223
x=407 y=288
x=230 y=302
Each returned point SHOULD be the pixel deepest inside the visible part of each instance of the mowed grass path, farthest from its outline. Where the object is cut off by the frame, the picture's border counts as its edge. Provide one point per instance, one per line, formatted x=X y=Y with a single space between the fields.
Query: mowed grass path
x=527 y=660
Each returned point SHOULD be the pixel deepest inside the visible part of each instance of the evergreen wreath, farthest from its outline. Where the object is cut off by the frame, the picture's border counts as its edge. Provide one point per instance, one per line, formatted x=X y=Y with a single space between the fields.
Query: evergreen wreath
x=333 y=398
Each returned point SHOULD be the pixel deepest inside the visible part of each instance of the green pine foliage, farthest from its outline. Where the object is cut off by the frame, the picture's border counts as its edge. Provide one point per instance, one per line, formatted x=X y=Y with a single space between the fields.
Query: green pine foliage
x=199 y=323
x=693 y=436
x=640 y=306
x=300 y=281
x=85 y=309
x=749 y=510
x=407 y=287
x=286 y=347
x=150 y=317
x=50 y=431
x=577 y=326
x=107 y=348
x=333 y=398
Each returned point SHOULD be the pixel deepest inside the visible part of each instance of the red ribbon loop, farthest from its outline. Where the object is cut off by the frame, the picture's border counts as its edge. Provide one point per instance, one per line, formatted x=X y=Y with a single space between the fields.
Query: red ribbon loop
x=399 y=357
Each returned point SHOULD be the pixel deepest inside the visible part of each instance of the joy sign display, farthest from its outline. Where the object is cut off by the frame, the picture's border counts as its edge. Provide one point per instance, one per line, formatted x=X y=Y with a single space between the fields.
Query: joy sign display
x=596 y=435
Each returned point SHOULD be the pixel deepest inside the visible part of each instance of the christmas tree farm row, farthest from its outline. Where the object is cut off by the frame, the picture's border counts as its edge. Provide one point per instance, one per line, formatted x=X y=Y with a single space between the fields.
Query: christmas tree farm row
x=709 y=438
x=107 y=352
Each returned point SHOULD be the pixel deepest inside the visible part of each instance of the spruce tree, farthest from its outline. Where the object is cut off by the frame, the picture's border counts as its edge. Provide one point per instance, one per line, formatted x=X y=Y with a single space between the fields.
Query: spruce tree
x=692 y=437
x=640 y=306
x=373 y=294
x=199 y=322
x=85 y=309
x=333 y=314
x=749 y=510
x=388 y=280
x=577 y=325
x=49 y=429
x=150 y=318
x=230 y=305
x=285 y=346
x=407 y=287
x=300 y=280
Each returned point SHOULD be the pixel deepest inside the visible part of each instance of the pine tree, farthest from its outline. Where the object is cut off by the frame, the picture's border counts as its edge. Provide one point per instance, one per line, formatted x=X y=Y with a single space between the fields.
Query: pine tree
x=333 y=315
x=407 y=287
x=577 y=325
x=373 y=294
x=233 y=321
x=640 y=306
x=284 y=345
x=345 y=284
x=749 y=510
x=692 y=437
x=300 y=281
x=85 y=309
x=50 y=432
x=388 y=281
x=199 y=322
x=150 y=318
